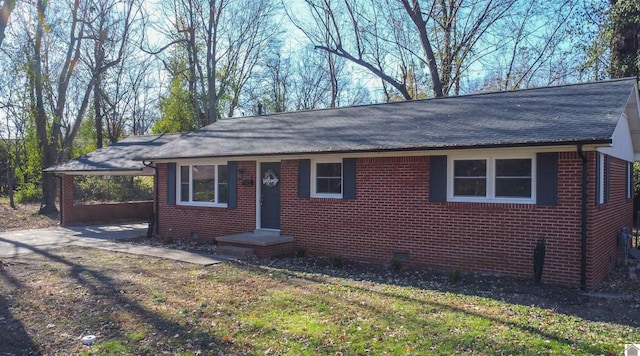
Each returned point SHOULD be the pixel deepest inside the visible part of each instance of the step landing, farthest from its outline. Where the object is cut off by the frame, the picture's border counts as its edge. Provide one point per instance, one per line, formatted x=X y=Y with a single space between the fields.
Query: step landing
x=256 y=238
x=262 y=243
x=235 y=251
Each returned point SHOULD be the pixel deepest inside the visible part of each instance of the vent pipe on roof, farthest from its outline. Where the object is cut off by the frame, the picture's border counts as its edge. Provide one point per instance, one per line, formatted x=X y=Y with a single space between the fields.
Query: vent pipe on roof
x=259 y=109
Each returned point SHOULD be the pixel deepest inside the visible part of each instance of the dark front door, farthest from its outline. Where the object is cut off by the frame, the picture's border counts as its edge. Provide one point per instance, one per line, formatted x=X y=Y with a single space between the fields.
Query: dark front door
x=270 y=195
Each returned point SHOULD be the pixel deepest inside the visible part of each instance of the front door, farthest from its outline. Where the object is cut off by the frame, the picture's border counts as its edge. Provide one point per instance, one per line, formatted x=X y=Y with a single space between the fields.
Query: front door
x=270 y=195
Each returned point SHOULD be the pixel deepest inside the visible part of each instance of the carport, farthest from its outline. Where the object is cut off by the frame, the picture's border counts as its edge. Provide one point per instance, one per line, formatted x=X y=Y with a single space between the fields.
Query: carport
x=114 y=160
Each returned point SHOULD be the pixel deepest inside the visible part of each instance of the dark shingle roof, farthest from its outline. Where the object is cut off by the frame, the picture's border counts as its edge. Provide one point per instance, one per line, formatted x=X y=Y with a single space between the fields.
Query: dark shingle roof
x=115 y=158
x=545 y=116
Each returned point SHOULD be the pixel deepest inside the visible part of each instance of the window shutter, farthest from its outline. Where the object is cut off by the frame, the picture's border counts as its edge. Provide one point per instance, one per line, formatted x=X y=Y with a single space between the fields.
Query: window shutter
x=304 y=178
x=348 y=178
x=232 y=169
x=171 y=184
x=547 y=179
x=438 y=178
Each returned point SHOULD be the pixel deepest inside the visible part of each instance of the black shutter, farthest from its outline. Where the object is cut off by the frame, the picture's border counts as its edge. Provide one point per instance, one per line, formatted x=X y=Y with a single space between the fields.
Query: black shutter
x=171 y=184
x=438 y=178
x=547 y=179
x=304 y=178
x=232 y=169
x=348 y=178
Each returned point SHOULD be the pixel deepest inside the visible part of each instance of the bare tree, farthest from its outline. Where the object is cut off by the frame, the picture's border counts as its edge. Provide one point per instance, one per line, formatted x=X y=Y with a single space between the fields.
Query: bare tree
x=223 y=40
x=110 y=28
x=47 y=145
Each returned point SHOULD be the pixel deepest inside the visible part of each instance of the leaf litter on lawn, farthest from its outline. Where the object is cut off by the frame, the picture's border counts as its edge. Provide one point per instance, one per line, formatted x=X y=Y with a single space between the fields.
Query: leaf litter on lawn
x=144 y=305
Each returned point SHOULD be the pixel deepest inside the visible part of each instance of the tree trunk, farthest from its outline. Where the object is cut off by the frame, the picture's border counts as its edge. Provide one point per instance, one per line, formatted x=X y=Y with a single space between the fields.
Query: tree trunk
x=97 y=98
x=416 y=16
x=48 y=150
x=11 y=183
x=625 y=43
x=5 y=12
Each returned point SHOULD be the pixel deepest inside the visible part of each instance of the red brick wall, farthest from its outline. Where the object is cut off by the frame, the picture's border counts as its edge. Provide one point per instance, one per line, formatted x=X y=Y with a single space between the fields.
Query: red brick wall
x=392 y=213
x=73 y=214
x=605 y=221
x=208 y=222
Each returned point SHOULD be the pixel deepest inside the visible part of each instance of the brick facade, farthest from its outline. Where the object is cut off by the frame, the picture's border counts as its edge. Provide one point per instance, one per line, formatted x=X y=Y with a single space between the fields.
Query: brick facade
x=82 y=214
x=606 y=221
x=207 y=222
x=392 y=214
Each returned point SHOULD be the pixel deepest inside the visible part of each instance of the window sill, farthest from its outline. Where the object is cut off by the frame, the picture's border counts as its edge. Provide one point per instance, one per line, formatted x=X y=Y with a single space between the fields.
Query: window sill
x=202 y=205
x=491 y=200
x=327 y=196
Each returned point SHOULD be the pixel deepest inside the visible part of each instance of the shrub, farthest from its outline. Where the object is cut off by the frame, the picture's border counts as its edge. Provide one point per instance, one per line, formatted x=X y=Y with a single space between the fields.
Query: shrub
x=167 y=240
x=336 y=262
x=538 y=259
x=455 y=276
x=396 y=265
x=28 y=193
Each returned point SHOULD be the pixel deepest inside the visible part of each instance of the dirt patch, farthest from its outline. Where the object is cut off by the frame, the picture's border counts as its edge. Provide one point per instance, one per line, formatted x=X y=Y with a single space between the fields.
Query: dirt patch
x=25 y=217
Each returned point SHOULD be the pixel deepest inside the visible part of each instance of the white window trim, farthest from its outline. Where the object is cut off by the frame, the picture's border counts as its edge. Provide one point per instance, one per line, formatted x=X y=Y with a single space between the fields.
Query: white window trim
x=629 y=180
x=314 y=164
x=179 y=184
x=601 y=177
x=491 y=179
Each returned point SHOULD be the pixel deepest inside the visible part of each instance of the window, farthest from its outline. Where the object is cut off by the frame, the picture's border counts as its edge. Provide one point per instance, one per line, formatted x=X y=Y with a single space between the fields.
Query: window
x=495 y=179
x=601 y=179
x=470 y=178
x=327 y=179
x=513 y=178
x=629 y=180
x=204 y=184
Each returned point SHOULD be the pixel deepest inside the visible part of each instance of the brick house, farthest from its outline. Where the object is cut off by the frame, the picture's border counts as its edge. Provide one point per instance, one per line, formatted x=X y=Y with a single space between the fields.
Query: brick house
x=468 y=183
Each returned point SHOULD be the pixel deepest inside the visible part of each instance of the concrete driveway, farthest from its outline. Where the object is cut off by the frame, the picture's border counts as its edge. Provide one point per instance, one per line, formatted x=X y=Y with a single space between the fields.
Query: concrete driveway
x=13 y=243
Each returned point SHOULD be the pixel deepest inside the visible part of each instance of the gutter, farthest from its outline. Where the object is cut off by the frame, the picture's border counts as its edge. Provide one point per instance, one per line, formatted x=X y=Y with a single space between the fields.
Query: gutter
x=583 y=225
x=155 y=200
x=399 y=150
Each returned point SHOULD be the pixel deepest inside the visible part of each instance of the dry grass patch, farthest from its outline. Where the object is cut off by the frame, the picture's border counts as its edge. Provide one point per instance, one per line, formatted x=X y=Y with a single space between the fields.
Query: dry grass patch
x=140 y=305
x=24 y=217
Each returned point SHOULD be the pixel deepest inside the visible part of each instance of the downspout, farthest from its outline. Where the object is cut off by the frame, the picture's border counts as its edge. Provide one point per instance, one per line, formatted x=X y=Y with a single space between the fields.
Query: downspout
x=155 y=198
x=583 y=227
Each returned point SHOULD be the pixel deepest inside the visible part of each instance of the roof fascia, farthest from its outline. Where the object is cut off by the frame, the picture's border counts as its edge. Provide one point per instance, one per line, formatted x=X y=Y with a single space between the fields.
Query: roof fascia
x=568 y=147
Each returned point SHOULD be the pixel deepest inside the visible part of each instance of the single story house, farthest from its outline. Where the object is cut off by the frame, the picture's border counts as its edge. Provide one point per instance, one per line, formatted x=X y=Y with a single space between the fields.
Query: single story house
x=468 y=183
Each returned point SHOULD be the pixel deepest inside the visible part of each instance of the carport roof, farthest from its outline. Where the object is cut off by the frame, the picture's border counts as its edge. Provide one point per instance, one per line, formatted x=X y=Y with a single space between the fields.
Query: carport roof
x=116 y=159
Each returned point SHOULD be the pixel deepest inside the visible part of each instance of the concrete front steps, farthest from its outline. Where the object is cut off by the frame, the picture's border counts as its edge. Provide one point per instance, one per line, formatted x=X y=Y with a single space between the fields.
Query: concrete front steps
x=261 y=243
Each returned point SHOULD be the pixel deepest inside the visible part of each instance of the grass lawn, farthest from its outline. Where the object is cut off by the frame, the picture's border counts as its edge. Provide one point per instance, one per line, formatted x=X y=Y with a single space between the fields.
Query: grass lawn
x=297 y=306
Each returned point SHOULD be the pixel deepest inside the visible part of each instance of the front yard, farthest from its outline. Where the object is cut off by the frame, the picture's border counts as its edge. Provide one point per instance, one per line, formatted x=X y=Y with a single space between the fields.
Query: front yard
x=142 y=305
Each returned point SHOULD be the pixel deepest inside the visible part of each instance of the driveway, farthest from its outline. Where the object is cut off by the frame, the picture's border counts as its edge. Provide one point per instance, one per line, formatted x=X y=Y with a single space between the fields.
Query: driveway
x=13 y=243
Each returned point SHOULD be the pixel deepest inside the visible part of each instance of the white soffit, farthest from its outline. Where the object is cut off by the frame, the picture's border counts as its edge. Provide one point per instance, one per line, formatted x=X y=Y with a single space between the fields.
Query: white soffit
x=632 y=112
